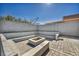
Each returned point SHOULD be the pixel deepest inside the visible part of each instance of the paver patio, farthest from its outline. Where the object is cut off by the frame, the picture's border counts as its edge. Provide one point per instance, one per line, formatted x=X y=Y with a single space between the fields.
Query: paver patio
x=67 y=46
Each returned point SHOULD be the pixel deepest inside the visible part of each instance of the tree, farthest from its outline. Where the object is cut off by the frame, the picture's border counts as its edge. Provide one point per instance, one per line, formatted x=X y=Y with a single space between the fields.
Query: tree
x=9 y=18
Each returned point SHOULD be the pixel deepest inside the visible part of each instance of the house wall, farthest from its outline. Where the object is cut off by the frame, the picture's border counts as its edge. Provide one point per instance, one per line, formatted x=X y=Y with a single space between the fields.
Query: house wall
x=71 y=17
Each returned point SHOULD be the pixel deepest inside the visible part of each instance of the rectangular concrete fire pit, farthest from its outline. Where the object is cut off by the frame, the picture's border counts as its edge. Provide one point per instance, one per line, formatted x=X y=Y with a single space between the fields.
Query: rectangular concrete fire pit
x=36 y=40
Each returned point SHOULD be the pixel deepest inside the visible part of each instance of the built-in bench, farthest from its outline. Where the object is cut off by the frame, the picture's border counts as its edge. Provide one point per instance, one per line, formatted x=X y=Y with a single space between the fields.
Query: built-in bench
x=23 y=38
x=38 y=50
x=10 y=48
x=53 y=35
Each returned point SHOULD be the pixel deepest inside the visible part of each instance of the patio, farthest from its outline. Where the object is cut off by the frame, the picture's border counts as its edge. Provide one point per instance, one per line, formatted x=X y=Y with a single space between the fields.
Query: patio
x=64 y=47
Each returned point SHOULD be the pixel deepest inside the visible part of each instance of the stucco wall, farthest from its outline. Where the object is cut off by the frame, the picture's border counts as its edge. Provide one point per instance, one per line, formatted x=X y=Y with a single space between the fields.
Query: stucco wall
x=70 y=17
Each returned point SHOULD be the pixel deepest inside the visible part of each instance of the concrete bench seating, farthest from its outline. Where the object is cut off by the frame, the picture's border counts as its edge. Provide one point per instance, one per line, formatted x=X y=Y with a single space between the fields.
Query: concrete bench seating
x=9 y=47
x=24 y=38
x=52 y=35
x=38 y=50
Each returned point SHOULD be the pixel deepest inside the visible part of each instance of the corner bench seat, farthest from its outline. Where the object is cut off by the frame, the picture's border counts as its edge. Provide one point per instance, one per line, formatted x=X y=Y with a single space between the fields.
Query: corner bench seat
x=38 y=50
x=11 y=48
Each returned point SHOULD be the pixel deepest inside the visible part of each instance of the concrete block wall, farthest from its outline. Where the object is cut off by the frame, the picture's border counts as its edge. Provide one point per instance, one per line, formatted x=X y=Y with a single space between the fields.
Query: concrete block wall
x=10 y=26
x=0 y=26
x=64 y=28
x=48 y=30
x=69 y=28
x=47 y=27
x=15 y=29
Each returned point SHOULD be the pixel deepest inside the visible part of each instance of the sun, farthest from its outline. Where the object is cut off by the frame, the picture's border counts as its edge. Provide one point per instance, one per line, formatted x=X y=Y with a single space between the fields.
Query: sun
x=48 y=4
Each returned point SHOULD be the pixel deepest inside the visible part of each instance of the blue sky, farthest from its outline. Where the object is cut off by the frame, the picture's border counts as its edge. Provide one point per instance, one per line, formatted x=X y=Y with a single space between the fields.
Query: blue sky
x=45 y=11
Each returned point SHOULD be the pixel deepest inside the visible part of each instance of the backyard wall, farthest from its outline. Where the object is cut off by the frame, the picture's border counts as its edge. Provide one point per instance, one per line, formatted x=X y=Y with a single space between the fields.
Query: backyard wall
x=64 y=28
x=15 y=29
x=69 y=28
x=48 y=30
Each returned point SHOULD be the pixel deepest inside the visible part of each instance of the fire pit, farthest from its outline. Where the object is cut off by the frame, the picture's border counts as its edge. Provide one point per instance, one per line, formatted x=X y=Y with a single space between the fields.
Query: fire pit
x=36 y=40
